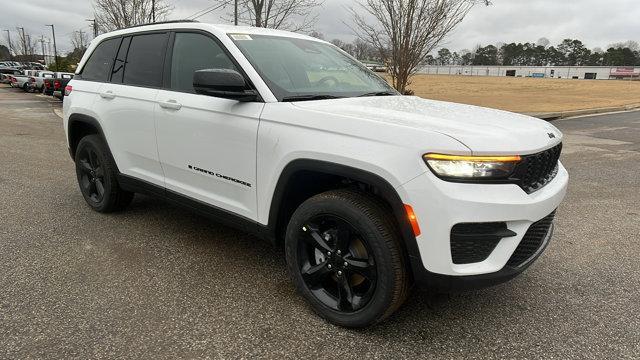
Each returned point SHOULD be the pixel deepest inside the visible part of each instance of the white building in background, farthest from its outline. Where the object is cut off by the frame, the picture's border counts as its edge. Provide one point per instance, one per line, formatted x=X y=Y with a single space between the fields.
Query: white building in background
x=557 y=72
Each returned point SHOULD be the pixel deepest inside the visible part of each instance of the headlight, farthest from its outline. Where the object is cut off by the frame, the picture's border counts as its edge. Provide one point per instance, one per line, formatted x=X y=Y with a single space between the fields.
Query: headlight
x=471 y=167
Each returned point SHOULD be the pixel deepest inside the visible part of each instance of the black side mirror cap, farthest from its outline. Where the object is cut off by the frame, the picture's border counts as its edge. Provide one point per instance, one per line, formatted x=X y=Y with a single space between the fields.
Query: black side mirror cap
x=224 y=83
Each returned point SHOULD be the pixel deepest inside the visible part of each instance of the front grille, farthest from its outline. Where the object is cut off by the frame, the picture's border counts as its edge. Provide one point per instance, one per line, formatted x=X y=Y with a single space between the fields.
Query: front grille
x=532 y=241
x=537 y=170
x=474 y=242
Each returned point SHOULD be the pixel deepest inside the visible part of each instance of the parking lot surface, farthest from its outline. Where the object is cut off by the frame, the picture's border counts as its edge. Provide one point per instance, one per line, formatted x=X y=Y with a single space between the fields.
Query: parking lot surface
x=158 y=282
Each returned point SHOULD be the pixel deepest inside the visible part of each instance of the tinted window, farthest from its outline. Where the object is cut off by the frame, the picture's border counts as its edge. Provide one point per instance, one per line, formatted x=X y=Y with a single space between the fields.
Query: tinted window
x=191 y=52
x=118 y=64
x=99 y=64
x=145 y=60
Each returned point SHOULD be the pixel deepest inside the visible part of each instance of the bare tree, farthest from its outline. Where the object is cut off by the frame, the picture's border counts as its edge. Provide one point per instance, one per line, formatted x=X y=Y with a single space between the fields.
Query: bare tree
x=26 y=43
x=293 y=15
x=406 y=31
x=117 y=14
x=317 y=34
x=79 y=39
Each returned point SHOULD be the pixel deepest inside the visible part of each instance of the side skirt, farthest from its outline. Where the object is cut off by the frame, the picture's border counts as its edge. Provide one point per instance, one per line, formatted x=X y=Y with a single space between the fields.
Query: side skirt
x=214 y=213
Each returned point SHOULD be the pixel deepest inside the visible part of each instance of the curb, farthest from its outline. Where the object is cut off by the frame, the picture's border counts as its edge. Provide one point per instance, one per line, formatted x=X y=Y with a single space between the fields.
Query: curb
x=568 y=114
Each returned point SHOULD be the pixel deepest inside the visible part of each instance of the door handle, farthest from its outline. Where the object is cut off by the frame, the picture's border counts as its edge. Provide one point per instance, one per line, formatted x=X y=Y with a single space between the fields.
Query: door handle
x=107 y=95
x=170 y=104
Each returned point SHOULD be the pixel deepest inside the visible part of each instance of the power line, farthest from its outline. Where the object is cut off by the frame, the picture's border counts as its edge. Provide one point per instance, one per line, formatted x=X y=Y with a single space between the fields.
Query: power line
x=205 y=11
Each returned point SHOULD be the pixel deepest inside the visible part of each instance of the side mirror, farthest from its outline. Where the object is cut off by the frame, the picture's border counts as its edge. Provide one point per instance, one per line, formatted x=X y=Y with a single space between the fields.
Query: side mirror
x=223 y=83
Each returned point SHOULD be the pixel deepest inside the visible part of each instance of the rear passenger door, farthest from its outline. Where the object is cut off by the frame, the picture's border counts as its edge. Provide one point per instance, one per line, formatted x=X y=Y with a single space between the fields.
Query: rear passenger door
x=127 y=104
x=207 y=144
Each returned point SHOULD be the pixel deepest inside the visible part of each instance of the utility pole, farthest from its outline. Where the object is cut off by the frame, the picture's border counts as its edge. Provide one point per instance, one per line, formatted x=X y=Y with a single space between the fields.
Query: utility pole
x=9 y=38
x=235 y=12
x=29 y=50
x=44 y=56
x=24 y=41
x=153 y=11
x=95 y=27
x=55 y=49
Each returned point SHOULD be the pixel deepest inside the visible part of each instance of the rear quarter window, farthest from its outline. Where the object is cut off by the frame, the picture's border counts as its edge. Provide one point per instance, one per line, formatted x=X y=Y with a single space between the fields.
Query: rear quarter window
x=99 y=64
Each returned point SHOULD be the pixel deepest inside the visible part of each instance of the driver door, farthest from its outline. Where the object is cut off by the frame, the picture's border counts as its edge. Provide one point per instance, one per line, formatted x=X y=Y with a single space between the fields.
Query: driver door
x=206 y=144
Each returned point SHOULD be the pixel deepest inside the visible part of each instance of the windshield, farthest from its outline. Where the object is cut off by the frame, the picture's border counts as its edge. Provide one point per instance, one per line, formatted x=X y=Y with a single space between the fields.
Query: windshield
x=298 y=69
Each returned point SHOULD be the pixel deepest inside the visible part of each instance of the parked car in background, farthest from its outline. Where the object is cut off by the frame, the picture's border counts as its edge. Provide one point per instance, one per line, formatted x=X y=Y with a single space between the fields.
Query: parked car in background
x=57 y=83
x=23 y=79
x=6 y=72
x=36 y=82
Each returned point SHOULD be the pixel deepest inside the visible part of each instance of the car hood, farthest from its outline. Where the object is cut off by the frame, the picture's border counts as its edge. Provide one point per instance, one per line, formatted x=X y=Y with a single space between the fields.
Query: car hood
x=483 y=130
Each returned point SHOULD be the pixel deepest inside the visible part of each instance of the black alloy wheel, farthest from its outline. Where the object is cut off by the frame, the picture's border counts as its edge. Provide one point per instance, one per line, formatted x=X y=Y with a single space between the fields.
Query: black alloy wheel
x=97 y=176
x=336 y=264
x=91 y=179
x=344 y=256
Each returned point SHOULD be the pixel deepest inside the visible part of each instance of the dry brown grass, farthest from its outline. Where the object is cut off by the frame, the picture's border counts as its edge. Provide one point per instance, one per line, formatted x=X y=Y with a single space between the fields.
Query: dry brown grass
x=527 y=95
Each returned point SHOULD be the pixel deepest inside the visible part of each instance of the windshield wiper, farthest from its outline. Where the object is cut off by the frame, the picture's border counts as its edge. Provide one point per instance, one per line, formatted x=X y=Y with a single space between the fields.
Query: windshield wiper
x=379 y=93
x=309 y=97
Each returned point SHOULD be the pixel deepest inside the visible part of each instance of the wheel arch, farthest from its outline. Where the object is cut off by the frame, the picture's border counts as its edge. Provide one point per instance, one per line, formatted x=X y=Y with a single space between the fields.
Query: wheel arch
x=327 y=176
x=79 y=126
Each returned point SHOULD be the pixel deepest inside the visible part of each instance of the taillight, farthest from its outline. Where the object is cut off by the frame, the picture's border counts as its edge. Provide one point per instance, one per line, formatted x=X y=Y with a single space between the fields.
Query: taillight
x=31 y=79
x=57 y=84
x=67 y=90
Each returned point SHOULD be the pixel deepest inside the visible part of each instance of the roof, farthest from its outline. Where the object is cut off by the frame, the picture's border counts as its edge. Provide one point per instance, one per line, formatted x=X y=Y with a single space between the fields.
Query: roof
x=214 y=28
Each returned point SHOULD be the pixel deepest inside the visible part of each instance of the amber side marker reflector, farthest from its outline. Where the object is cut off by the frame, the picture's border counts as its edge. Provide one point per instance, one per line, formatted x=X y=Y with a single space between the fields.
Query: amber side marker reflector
x=413 y=220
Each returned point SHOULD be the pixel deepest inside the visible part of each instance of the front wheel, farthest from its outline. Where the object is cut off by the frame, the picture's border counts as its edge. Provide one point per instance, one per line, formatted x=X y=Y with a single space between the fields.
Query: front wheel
x=344 y=256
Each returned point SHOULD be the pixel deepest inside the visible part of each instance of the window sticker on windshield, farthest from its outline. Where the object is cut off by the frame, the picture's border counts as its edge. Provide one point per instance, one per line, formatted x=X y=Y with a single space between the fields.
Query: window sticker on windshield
x=240 y=37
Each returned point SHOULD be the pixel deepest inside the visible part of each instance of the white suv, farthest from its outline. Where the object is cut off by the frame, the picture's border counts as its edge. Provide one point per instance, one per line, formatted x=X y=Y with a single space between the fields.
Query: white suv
x=286 y=136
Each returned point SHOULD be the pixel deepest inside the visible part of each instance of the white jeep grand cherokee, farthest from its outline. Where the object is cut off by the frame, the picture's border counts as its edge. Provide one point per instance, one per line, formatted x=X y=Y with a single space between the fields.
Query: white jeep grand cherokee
x=286 y=136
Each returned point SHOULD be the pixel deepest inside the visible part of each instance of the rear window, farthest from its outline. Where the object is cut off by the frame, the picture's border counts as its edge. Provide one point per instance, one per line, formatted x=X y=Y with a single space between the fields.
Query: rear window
x=47 y=75
x=145 y=60
x=98 y=66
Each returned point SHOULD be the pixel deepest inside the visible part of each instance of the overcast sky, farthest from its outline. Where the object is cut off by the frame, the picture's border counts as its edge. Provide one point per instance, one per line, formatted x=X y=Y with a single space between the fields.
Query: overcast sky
x=598 y=23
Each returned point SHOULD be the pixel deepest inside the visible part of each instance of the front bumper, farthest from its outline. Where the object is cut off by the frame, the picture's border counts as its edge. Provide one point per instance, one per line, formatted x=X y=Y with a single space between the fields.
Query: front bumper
x=439 y=205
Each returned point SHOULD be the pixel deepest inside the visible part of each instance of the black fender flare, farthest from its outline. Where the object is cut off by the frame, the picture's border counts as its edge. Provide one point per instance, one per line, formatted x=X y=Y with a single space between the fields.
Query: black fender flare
x=85 y=119
x=385 y=190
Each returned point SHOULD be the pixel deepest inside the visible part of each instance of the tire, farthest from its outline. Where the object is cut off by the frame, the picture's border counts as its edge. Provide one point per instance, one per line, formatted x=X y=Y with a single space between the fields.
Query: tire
x=97 y=176
x=364 y=284
x=25 y=87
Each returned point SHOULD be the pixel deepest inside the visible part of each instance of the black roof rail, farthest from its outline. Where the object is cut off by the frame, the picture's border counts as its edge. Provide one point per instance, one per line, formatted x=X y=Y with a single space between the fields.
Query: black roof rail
x=162 y=22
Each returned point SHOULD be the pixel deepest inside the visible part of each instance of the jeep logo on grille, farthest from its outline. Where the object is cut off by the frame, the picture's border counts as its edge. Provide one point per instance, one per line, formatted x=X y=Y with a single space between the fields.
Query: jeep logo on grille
x=551 y=135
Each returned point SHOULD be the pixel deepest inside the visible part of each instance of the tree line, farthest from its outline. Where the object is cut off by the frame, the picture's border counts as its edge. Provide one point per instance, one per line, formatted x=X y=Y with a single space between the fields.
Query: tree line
x=570 y=52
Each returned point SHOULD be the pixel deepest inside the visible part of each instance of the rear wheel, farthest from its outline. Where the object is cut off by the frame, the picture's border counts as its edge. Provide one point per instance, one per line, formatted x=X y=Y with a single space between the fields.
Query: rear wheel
x=97 y=176
x=344 y=256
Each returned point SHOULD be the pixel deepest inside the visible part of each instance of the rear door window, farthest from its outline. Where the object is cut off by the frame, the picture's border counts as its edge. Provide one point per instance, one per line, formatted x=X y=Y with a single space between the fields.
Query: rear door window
x=98 y=66
x=145 y=60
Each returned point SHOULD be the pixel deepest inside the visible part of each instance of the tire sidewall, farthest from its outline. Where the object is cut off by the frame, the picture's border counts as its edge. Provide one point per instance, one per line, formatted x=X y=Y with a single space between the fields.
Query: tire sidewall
x=385 y=283
x=95 y=143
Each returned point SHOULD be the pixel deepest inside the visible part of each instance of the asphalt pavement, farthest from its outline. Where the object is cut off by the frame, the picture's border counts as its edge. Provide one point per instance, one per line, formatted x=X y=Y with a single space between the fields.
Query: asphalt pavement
x=159 y=282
